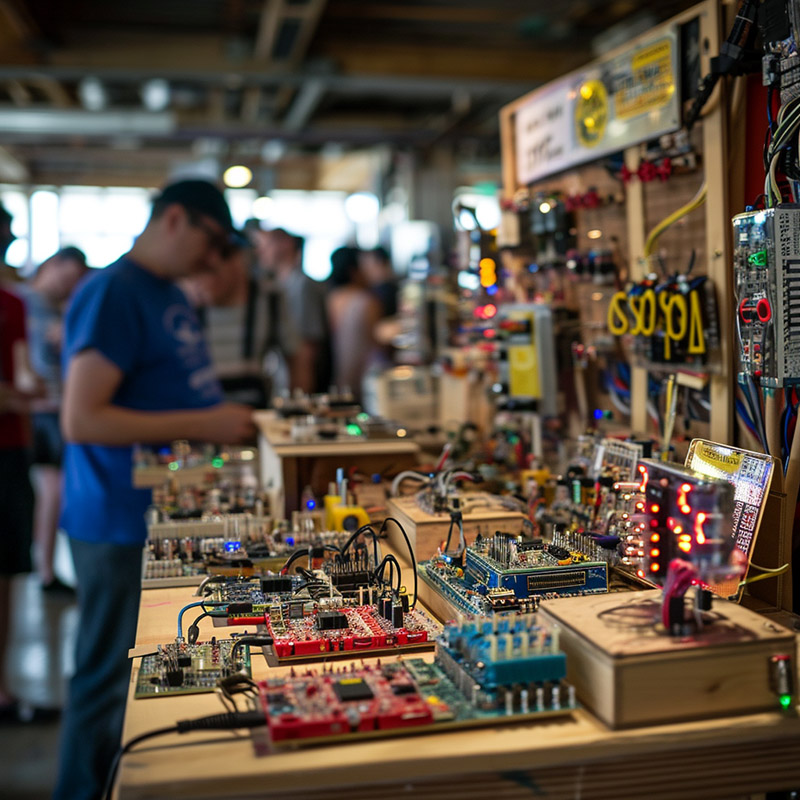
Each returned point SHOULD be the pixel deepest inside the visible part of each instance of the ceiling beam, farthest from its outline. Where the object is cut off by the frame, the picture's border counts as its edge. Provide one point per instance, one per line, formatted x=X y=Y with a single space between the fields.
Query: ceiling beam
x=411 y=85
x=19 y=93
x=305 y=104
x=272 y=12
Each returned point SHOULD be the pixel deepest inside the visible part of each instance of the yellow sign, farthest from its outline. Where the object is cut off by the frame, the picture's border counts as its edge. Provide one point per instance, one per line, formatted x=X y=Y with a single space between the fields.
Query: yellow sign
x=523 y=363
x=649 y=85
x=591 y=113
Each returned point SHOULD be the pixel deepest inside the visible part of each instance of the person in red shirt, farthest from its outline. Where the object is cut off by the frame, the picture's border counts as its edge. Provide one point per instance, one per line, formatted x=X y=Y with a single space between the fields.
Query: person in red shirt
x=16 y=493
x=17 y=386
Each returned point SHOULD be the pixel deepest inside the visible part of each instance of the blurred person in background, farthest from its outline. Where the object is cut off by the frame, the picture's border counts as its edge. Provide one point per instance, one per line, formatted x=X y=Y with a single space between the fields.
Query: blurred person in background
x=300 y=327
x=226 y=301
x=45 y=295
x=353 y=311
x=17 y=386
x=137 y=370
x=380 y=277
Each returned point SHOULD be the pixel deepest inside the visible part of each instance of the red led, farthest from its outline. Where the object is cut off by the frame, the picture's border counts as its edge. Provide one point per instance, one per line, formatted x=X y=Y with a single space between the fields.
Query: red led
x=655 y=567
x=489 y=310
x=655 y=553
x=655 y=508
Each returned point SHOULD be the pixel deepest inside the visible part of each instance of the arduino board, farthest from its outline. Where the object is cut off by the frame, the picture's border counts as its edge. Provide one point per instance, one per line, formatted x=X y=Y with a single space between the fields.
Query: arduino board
x=333 y=629
x=505 y=572
x=488 y=670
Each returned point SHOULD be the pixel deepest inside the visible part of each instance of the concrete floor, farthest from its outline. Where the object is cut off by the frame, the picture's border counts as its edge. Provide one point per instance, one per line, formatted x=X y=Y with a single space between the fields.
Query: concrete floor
x=40 y=662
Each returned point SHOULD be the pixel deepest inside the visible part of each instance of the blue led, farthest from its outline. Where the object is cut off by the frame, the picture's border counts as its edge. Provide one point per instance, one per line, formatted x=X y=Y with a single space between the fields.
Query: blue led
x=491 y=290
x=598 y=413
x=232 y=547
x=311 y=504
x=290 y=541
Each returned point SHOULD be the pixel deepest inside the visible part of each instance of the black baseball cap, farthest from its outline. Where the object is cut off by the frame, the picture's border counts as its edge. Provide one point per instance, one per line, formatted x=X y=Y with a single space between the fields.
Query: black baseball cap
x=201 y=196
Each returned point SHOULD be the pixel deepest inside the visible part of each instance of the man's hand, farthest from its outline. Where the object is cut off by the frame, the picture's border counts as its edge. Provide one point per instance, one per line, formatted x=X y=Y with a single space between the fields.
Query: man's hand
x=228 y=423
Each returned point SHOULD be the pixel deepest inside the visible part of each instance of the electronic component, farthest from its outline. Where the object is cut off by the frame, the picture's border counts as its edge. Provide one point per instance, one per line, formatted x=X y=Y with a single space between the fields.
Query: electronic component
x=333 y=628
x=487 y=670
x=766 y=270
x=181 y=668
x=686 y=516
x=506 y=572
x=751 y=476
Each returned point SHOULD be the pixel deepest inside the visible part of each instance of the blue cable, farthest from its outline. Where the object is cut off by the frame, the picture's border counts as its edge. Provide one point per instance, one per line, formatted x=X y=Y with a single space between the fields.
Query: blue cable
x=194 y=605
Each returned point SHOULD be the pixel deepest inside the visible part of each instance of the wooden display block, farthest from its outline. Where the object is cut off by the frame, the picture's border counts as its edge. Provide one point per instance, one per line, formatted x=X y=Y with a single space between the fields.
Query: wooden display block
x=629 y=674
x=427 y=531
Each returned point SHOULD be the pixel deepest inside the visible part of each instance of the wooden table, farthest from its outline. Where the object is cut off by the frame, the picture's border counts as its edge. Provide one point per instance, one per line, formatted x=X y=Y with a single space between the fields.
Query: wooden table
x=288 y=466
x=570 y=758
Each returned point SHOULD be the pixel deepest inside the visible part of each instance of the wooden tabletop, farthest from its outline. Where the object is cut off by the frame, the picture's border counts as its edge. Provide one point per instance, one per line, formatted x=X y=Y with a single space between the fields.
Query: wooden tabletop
x=570 y=757
x=276 y=432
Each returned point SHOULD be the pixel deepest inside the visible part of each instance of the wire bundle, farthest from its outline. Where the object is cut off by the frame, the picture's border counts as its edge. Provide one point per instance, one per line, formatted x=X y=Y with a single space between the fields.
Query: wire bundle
x=681 y=575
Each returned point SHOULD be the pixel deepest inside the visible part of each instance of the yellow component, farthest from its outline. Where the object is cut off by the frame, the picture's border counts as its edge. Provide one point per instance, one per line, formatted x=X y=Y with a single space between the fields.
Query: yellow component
x=348 y=518
x=488 y=272
x=617 y=316
x=644 y=310
x=668 y=303
x=330 y=501
x=564 y=562
x=541 y=476
x=434 y=700
x=349 y=681
x=591 y=113
x=697 y=336
x=523 y=364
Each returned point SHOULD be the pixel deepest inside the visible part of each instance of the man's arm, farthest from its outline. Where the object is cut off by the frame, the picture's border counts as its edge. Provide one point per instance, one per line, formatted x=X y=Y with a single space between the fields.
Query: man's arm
x=302 y=366
x=89 y=417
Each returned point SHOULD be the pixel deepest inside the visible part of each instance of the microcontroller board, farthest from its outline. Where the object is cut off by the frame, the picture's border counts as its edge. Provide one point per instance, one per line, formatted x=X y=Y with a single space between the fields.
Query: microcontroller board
x=331 y=629
x=487 y=670
x=506 y=572
x=181 y=668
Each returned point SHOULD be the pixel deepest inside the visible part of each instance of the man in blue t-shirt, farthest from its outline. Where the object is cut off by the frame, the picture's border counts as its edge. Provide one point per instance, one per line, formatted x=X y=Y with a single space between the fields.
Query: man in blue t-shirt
x=136 y=370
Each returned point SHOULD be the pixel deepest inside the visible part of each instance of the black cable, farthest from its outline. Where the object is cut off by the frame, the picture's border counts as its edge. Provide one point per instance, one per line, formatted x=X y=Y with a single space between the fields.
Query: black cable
x=410 y=552
x=194 y=631
x=254 y=639
x=304 y=552
x=363 y=529
x=216 y=722
x=392 y=562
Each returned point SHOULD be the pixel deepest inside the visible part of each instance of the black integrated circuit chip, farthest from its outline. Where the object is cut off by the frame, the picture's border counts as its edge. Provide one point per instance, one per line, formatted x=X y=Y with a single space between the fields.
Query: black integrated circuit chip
x=352 y=689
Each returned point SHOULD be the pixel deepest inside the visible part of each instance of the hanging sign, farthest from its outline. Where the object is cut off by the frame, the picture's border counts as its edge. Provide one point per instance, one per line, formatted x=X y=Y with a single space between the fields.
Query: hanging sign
x=611 y=105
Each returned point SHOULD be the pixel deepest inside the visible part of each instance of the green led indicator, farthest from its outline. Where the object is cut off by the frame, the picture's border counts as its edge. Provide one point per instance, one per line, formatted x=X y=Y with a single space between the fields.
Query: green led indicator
x=217 y=462
x=174 y=465
x=353 y=429
x=786 y=700
x=363 y=417
x=758 y=259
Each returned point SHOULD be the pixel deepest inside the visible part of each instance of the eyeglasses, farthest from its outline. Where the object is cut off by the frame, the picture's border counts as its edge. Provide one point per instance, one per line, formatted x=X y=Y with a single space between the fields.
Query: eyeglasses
x=218 y=240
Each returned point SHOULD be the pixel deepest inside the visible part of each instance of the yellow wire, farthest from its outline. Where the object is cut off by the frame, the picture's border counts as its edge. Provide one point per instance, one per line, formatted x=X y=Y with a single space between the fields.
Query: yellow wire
x=768 y=573
x=694 y=203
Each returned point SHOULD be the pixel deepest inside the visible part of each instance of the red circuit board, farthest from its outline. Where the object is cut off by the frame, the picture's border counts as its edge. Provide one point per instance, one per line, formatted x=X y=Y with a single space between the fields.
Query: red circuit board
x=296 y=639
x=332 y=704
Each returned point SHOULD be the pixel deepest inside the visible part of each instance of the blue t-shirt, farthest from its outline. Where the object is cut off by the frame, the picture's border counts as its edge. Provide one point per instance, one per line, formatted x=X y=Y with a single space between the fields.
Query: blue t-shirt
x=144 y=325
